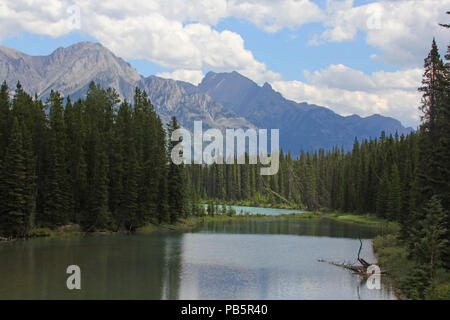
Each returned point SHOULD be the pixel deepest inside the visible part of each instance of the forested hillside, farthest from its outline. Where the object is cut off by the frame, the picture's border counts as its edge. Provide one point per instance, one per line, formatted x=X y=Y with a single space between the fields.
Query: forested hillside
x=93 y=162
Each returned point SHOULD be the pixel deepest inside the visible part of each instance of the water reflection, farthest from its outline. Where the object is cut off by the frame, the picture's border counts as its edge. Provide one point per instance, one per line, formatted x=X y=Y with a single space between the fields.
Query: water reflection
x=252 y=266
x=275 y=225
x=255 y=258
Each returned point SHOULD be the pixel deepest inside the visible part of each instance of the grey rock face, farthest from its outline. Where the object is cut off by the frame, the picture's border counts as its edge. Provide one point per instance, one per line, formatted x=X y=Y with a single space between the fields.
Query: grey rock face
x=302 y=126
x=70 y=70
x=221 y=100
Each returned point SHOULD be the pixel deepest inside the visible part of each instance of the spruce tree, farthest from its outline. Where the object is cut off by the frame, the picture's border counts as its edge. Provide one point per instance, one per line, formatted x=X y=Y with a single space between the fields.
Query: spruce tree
x=394 y=205
x=4 y=118
x=433 y=107
x=176 y=180
x=58 y=196
x=430 y=242
x=14 y=216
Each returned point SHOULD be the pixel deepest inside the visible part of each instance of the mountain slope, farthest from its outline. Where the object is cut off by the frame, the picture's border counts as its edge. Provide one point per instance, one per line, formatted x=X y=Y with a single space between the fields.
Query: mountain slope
x=221 y=100
x=171 y=99
x=302 y=126
x=70 y=70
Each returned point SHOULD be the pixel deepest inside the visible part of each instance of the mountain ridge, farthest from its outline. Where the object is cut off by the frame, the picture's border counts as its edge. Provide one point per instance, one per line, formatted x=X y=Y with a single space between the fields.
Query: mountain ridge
x=222 y=100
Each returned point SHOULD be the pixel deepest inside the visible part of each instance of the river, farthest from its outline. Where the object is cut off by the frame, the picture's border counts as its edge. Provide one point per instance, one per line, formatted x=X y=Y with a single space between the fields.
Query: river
x=252 y=258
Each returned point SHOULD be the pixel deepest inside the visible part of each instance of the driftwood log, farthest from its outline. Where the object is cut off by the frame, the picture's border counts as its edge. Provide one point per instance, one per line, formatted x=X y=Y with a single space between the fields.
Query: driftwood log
x=361 y=269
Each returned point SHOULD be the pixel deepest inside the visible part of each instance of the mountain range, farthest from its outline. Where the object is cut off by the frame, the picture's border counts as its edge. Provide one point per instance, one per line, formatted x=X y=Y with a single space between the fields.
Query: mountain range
x=221 y=100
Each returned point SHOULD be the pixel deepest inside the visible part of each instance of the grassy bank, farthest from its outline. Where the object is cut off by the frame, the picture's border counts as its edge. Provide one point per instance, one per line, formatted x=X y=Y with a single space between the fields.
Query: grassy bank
x=64 y=231
x=191 y=223
x=364 y=219
x=194 y=222
x=392 y=256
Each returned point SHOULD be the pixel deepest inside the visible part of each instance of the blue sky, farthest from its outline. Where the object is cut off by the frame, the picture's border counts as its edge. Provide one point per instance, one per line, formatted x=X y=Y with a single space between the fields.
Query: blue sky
x=286 y=52
x=360 y=56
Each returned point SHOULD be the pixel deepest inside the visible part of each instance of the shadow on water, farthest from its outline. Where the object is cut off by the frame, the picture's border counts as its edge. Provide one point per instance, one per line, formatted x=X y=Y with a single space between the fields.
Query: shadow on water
x=112 y=267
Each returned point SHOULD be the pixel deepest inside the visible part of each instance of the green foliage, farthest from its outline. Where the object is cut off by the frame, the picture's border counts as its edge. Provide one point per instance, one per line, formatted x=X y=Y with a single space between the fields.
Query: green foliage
x=410 y=278
x=176 y=181
x=14 y=217
x=95 y=163
x=428 y=240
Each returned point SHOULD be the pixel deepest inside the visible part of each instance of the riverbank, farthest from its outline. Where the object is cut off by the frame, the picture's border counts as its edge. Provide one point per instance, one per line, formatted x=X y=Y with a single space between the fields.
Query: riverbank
x=365 y=219
x=190 y=223
x=403 y=273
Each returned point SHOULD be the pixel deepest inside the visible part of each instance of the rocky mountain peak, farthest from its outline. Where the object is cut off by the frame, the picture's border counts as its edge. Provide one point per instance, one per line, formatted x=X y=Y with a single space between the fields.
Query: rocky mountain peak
x=221 y=100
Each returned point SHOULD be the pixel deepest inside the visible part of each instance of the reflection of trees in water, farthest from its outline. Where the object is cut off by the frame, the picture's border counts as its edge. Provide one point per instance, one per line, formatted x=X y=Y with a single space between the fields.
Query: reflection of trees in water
x=132 y=268
x=172 y=267
x=122 y=267
x=277 y=225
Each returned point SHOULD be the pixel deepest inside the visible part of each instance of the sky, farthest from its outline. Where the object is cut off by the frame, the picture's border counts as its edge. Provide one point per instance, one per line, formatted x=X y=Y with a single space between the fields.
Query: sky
x=353 y=56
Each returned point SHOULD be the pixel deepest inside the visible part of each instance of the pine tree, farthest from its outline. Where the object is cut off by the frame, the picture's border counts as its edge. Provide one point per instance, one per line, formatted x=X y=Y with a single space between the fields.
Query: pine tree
x=433 y=107
x=433 y=173
x=162 y=195
x=14 y=217
x=96 y=214
x=127 y=181
x=394 y=205
x=430 y=242
x=58 y=203
x=383 y=196
x=4 y=117
x=76 y=136
x=30 y=185
x=176 y=181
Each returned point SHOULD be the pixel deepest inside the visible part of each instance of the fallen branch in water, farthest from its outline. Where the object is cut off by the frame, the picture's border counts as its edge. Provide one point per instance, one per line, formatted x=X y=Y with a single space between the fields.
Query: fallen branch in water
x=361 y=270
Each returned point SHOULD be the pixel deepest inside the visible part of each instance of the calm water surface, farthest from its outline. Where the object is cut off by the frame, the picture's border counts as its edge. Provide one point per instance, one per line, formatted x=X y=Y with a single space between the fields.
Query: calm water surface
x=257 y=258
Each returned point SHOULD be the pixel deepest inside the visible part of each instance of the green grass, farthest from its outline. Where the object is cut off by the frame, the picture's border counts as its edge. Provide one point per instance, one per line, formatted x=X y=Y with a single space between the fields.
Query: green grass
x=181 y=225
x=364 y=219
x=193 y=222
x=305 y=215
x=64 y=231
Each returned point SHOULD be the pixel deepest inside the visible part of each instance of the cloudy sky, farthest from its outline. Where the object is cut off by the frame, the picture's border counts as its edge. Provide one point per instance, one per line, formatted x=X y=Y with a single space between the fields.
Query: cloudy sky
x=353 y=56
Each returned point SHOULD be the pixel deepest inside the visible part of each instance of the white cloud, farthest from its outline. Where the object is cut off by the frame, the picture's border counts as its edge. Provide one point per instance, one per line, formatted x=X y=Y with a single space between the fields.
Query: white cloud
x=273 y=16
x=46 y=18
x=160 y=31
x=348 y=91
x=343 y=77
x=401 y=29
x=267 y=14
x=179 y=35
x=192 y=76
